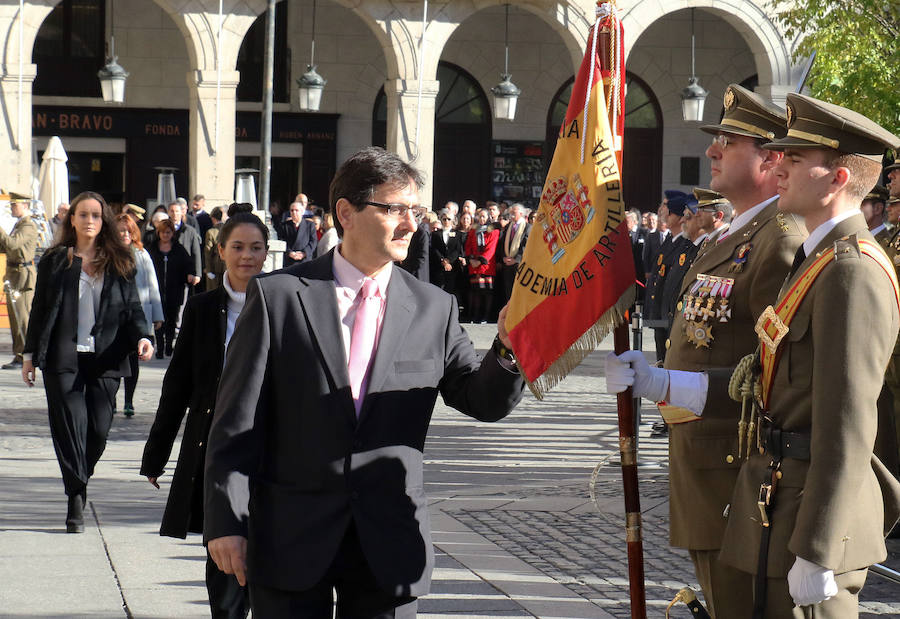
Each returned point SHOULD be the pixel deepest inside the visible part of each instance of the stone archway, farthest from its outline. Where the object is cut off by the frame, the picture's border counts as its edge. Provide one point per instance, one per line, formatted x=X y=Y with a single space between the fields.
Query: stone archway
x=759 y=31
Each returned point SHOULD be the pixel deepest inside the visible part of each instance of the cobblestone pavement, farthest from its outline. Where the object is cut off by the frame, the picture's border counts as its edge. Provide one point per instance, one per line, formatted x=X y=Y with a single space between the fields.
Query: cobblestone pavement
x=516 y=529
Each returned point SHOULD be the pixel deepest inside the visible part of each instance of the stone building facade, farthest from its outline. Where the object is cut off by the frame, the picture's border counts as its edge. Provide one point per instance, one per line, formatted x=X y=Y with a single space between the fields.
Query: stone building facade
x=190 y=100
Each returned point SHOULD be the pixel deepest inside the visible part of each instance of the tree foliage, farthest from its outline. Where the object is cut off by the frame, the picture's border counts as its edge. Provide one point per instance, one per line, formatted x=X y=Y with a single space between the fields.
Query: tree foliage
x=857 y=46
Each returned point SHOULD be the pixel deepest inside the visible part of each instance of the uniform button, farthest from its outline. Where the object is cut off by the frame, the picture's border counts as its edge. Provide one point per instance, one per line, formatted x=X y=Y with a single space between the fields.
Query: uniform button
x=778 y=474
x=729 y=458
x=679 y=306
x=200 y=444
x=668 y=343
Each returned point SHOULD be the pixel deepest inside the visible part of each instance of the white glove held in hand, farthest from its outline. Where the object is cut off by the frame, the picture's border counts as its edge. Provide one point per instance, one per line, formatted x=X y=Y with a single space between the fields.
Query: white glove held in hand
x=810 y=583
x=630 y=369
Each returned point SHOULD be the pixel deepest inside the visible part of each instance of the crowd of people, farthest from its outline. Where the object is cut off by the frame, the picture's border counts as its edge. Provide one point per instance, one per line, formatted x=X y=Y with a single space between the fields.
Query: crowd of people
x=763 y=292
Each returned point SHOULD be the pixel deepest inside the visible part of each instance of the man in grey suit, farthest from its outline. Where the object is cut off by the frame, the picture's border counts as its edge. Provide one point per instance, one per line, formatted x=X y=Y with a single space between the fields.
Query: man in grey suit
x=314 y=479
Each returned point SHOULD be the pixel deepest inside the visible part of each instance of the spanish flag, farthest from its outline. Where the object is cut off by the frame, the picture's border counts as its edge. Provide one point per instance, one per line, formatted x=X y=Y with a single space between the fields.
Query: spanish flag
x=576 y=278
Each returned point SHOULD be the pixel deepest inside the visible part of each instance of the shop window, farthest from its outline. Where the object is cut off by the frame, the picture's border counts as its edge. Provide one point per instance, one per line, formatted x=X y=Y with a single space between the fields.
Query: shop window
x=251 y=59
x=69 y=49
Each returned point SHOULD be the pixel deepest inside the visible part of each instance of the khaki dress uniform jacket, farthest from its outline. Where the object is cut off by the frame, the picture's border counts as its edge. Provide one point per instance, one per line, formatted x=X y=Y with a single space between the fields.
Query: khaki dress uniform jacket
x=19 y=246
x=830 y=509
x=703 y=454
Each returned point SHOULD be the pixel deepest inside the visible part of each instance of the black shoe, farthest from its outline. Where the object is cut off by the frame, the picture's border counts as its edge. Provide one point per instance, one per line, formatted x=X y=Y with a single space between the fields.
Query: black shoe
x=660 y=429
x=159 y=353
x=15 y=364
x=75 y=514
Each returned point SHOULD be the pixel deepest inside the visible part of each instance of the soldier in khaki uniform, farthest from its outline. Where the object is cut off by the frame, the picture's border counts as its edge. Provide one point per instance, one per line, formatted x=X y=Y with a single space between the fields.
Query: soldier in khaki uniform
x=816 y=482
x=873 y=209
x=732 y=280
x=18 y=281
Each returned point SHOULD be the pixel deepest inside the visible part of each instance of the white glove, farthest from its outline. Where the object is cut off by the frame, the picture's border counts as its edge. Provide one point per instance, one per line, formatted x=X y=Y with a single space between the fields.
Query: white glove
x=630 y=369
x=810 y=583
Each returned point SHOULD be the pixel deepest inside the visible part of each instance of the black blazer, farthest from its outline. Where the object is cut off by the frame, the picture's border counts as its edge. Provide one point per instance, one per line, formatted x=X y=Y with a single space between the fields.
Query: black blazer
x=286 y=445
x=416 y=261
x=190 y=384
x=501 y=244
x=652 y=245
x=171 y=274
x=452 y=250
x=188 y=236
x=299 y=238
x=53 y=322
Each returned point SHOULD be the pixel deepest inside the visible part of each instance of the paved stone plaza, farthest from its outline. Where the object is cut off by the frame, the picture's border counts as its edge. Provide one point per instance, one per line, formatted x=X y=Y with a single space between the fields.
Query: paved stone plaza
x=516 y=530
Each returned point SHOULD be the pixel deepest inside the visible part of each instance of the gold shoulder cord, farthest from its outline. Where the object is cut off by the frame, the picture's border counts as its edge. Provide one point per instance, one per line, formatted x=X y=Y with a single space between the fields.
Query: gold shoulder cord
x=744 y=388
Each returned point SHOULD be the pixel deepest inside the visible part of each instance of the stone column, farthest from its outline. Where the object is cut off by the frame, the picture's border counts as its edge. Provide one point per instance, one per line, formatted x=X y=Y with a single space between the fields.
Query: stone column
x=15 y=131
x=212 y=167
x=402 y=115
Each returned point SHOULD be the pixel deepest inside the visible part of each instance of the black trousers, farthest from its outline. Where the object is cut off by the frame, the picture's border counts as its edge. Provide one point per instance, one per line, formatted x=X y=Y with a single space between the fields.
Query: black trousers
x=227 y=598
x=80 y=407
x=358 y=594
x=131 y=381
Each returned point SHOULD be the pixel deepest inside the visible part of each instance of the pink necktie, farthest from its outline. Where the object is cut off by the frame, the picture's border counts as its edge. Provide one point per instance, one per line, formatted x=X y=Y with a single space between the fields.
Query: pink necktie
x=362 y=340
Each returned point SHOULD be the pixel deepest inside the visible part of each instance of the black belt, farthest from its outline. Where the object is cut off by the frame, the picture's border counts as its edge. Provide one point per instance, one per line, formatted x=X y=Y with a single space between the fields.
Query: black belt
x=20 y=264
x=780 y=444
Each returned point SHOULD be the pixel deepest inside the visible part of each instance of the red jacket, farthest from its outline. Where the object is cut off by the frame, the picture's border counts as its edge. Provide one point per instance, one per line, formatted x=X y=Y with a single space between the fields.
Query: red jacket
x=485 y=254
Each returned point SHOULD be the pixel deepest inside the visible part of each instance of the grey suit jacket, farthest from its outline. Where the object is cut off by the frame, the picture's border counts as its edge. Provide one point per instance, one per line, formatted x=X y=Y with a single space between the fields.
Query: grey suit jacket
x=288 y=463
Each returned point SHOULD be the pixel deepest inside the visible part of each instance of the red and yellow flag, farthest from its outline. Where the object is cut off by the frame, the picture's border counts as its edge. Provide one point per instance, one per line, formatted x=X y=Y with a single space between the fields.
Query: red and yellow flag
x=576 y=278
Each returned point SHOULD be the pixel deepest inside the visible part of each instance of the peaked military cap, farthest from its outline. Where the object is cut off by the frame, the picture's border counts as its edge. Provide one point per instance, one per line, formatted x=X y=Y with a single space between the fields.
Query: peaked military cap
x=15 y=196
x=879 y=193
x=750 y=115
x=708 y=197
x=678 y=201
x=134 y=208
x=813 y=123
x=893 y=166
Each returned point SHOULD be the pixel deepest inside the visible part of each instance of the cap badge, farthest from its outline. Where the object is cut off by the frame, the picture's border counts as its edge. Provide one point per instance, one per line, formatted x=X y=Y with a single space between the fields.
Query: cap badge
x=730 y=100
x=790 y=114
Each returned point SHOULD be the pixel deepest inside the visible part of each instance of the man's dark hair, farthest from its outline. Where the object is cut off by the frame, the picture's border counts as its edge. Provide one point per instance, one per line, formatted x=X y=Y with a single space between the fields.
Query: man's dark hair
x=359 y=176
x=216 y=213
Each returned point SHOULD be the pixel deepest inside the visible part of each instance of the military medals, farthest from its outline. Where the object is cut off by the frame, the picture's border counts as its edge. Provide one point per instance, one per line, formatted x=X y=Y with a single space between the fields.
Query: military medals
x=681 y=259
x=740 y=258
x=706 y=302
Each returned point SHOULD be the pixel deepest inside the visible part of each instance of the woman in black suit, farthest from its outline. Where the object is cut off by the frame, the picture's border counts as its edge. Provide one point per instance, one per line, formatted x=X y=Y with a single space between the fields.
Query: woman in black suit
x=446 y=250
x=85 y=321
x=174 y=270
x=191 y=382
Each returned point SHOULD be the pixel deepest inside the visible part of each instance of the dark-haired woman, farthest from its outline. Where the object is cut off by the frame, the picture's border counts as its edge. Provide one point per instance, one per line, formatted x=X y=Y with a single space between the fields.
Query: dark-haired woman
x=191 y=382
x=174 y=270
x=86 y=319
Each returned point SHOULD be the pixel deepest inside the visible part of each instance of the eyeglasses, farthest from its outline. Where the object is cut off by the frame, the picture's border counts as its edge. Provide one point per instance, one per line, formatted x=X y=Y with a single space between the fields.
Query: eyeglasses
x=722 y=140
x=400 y=210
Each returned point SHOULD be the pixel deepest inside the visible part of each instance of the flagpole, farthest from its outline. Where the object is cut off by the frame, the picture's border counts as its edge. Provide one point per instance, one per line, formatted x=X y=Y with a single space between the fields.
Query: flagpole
x=612 y=61
x=628 y=457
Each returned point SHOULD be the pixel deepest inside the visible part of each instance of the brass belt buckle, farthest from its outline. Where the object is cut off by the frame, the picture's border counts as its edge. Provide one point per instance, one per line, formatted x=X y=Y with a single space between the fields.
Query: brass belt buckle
x=781 y=328
x=765 y=497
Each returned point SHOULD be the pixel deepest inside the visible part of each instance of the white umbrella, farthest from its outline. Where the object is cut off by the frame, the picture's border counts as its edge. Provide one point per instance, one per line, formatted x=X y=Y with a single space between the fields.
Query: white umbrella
x=53 y=177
